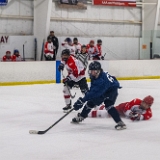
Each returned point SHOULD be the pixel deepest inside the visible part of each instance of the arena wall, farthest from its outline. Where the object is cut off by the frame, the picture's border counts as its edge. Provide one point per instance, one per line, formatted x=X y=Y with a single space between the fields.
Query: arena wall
x=17 y=73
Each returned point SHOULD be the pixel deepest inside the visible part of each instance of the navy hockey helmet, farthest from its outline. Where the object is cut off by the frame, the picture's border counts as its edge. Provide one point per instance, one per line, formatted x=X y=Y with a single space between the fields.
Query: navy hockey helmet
x=95 y=65
x=94 y=69
x=68 y=40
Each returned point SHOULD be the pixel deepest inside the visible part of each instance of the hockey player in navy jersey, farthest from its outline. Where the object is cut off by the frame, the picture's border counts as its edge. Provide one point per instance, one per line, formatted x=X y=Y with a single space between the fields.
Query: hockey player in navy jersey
x=104 y=88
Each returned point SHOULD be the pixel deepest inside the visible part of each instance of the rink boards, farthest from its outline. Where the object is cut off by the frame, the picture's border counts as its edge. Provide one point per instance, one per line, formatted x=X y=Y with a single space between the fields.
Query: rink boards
x=21 y=73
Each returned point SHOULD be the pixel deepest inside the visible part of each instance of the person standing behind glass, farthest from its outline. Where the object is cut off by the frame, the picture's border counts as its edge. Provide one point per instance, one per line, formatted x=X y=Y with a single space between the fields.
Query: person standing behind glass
x=55 y=43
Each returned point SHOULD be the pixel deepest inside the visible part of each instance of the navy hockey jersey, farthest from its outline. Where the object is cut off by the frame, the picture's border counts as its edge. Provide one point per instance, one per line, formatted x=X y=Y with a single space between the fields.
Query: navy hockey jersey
x=101 y=85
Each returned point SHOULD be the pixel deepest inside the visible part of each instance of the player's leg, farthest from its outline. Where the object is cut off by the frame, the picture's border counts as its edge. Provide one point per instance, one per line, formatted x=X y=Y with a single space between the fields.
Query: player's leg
x=109 y=102
x=87 y=109
x=67 y=96
x=120 y=108
x=83 y=85
x=81 y=116
x=98 y=113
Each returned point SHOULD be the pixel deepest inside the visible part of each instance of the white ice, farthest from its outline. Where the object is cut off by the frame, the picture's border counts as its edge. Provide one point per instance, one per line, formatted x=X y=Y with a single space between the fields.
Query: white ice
x=36 y=107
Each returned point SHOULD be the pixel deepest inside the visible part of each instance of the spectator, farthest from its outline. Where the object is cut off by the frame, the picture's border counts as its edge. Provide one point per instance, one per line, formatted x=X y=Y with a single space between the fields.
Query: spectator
x=7 y=57
x=76 y=45
x=99 y=48
x=83 y=56
x=67 y=44
x=49 y=50
x=16 y=56
x=92 y=50
x=55 y=43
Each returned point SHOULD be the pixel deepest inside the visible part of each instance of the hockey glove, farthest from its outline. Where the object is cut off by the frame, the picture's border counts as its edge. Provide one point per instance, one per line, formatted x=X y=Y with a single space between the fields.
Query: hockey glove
x=135 y=116
x=102 y=57
x=78 y=104
x=61 y=67
x=67 y=80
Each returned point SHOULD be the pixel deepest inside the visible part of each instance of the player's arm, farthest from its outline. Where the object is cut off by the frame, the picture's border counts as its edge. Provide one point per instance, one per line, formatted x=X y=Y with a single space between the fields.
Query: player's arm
x=96 y=90
x=72 y=65
x=129 y=105
x=147 y=115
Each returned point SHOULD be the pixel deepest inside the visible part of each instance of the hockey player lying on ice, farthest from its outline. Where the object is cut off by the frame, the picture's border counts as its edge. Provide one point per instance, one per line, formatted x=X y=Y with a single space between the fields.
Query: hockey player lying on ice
x=136 y=109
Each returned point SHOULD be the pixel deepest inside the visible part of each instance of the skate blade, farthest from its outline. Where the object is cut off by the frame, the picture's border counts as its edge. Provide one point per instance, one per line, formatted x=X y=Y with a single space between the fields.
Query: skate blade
x=74 y=122
x=121 y=128
x=66 y=111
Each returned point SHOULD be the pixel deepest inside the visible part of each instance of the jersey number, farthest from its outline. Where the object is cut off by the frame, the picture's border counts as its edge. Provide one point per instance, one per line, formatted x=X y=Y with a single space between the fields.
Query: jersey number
x=111 y=79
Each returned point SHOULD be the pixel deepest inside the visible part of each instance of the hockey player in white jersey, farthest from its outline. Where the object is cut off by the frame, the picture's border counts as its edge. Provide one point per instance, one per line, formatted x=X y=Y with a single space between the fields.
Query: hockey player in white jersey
x=76 y=75
x=77 y=45
x=67 y=44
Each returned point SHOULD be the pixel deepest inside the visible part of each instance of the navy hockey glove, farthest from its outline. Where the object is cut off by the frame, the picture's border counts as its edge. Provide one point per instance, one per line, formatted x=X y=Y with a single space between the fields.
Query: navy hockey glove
x=78 y=104
x=61 y=67
x=66 y=80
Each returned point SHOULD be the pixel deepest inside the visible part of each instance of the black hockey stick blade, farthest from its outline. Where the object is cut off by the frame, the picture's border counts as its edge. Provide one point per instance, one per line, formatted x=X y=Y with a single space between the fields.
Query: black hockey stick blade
x=43 y=132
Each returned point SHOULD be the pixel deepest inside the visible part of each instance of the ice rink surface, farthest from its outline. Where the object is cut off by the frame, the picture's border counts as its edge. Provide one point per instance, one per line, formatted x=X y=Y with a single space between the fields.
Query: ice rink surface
x=36 y=107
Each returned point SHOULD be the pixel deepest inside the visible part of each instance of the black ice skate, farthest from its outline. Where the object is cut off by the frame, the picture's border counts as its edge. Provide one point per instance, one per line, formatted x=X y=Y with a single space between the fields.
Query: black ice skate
x=77 y=119
x=120 y=126
x=67 y=108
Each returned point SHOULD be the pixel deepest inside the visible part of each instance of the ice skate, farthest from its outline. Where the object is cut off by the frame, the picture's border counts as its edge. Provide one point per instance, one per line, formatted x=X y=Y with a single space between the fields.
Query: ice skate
x=120 y=126
x=77 y=119
x=67 y=108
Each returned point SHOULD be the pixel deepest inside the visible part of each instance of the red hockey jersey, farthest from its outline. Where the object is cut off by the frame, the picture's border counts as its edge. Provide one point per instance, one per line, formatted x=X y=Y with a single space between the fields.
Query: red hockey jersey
x=134 y=106
x=75 y=69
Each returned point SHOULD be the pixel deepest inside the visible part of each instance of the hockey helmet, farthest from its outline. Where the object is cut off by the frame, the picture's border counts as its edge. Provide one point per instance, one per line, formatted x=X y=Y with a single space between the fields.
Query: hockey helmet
x=8 y=53
x=91 y=41
x=99 y=41
x=16 y=51
x=75 y=39
x=95 y=65
x=65 y=52
x=149 y=100
x=83 y=46
x=68 y=40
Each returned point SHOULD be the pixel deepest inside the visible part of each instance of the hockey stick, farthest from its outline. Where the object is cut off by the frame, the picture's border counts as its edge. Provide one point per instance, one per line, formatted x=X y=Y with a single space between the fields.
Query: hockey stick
x=43 y=132
x=72 y=96
x=104 y=56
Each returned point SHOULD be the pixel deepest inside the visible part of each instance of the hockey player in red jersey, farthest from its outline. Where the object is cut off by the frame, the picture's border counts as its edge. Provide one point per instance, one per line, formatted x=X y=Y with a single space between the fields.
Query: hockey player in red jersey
x=77 y=45
x=16 y=56
x=49 y=49
x=92 y=50
x=7 y=57
x=76 y=75
x=99 y=48
x=136 y=109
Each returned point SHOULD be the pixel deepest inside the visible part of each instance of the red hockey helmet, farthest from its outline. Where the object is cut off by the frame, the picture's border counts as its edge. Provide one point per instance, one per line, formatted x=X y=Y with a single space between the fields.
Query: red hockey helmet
x=149 y=100
x=91 y=41
x=8 y=52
